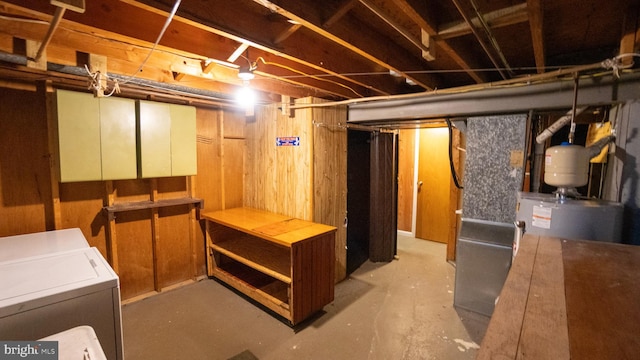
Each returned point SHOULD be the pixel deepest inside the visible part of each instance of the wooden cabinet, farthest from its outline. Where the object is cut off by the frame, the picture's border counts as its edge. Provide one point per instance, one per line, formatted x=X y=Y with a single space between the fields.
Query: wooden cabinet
x=284 y=263
x=111 y=138
x=166 y=139
x=96 y=137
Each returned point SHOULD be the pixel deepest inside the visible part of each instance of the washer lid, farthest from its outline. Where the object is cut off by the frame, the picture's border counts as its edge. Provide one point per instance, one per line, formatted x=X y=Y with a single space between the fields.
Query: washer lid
x=41 y=243
x=39 y=281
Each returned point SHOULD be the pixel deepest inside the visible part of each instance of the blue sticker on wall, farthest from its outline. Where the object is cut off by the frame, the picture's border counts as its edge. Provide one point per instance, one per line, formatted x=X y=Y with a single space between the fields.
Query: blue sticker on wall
x=288 y=141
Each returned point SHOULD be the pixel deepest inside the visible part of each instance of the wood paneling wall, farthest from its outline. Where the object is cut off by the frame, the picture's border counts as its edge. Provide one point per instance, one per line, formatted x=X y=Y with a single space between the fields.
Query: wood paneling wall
x=25 y=191
x=156 y=248
x=238 y=164
x=406 y=171
x=330 y=177
x=306 y=181
x=279 y=179
x=233 y=148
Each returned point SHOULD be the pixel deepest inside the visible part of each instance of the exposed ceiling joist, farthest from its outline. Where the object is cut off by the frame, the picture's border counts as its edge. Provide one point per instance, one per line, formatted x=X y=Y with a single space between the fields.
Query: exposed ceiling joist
x=537 y=33
x=630 y=33
x=418 y=14
x=346 y=6
x=466 y=14
x=334 y=49
x=397 y=27
x=499 y=18
x=366 y=44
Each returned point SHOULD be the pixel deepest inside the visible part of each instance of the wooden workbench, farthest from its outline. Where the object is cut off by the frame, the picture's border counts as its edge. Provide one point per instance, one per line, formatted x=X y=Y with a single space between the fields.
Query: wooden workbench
x=567 y=299
x=284 y=263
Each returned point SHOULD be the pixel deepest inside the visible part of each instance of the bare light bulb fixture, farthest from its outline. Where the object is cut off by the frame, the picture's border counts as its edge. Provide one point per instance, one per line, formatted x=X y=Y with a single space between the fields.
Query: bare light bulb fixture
x=245 y=73
x=245 y=96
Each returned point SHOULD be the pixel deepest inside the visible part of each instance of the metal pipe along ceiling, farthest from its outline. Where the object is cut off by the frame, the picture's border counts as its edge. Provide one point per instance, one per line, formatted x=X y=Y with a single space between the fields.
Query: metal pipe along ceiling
x=466 y=18
x=80 y=71
x=492 y=38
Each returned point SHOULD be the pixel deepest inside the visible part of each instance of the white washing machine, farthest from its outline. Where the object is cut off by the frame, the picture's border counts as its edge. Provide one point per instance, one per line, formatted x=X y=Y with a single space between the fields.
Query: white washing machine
x=49 y=291
x=41 y=243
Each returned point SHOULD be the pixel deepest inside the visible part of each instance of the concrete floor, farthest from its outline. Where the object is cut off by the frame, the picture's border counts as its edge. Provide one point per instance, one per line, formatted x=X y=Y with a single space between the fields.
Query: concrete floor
x=398 y=310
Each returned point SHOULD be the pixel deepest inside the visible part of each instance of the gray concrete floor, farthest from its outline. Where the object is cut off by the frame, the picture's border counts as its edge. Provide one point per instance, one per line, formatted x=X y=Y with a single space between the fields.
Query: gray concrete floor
x=397 y=310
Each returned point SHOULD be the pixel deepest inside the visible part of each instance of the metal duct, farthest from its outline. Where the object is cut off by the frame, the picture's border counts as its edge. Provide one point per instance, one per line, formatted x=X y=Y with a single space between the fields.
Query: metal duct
x=602 y=90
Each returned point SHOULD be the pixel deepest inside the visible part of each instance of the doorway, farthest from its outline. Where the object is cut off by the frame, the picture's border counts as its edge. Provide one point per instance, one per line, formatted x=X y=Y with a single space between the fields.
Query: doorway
x=371 y=197
x=358 y=197
x=433 y=219
x=428 y=196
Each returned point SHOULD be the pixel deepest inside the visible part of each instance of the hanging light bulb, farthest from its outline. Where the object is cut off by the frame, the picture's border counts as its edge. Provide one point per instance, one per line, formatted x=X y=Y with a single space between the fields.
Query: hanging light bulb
x=246 y=73
x=245 y=96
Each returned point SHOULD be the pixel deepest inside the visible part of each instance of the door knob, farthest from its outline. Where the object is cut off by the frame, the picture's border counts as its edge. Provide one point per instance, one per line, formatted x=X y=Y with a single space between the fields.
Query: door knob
x=419 y=185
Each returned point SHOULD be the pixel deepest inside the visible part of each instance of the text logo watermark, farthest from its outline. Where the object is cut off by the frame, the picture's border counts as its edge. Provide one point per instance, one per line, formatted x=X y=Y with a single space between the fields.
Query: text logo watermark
x=29 y=350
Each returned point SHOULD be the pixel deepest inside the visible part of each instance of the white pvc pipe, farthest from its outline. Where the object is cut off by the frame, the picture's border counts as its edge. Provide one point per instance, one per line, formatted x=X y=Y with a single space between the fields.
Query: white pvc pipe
x=553 y=128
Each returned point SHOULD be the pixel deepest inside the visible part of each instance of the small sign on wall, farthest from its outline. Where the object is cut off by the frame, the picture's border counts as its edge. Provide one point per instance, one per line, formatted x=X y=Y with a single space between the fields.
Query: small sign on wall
x=288 y=141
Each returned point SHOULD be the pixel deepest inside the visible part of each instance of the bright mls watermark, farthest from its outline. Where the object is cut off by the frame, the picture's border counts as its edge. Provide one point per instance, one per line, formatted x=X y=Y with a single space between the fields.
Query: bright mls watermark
x=31 y=350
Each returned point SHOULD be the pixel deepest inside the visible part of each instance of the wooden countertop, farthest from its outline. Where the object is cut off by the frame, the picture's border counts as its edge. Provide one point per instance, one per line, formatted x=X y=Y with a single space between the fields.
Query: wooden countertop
x=278 y=228
x=567 y=299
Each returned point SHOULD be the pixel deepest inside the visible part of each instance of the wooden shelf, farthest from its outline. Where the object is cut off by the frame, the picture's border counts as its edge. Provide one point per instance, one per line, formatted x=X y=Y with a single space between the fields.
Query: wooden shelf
x=263 y=295
x=141 y=205
x=264 y=257
x=286 y=264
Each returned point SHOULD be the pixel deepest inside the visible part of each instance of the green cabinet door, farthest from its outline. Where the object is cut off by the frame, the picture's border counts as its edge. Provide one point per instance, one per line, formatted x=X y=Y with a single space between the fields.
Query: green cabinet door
x=166 y=139
x=118 y=138
x=154 y=139
x=78 y=136
x=183 y=140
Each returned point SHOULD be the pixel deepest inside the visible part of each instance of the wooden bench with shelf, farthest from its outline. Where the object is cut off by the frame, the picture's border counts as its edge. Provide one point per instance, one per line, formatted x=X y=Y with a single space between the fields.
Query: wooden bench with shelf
x=567 y=299
x=285 y=264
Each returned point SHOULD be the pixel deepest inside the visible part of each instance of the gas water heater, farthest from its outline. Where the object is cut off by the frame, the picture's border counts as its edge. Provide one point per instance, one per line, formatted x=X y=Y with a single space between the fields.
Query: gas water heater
x=565 y=213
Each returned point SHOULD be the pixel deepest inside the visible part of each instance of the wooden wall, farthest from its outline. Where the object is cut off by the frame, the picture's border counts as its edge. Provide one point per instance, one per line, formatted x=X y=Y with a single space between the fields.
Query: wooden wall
x=279 y=178
x=25 y=188
x=330 y=176
x=406 y=169
x=156 y=249
x=306 y=181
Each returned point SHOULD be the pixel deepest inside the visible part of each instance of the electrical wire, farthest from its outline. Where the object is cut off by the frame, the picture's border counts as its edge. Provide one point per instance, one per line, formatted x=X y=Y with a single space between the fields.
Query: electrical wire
x=164 y=28
x=261 y=59
x=97 y=77
x=451 y=166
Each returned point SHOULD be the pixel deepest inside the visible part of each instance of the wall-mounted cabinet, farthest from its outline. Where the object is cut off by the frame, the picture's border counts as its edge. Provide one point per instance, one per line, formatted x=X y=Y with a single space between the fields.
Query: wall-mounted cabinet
x=114 y=138
x=166 y=139
x=96 y=137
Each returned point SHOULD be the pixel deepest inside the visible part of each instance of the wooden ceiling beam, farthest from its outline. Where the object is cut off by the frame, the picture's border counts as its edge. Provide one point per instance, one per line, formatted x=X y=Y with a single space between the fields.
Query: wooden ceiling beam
x=465 y=12
x=366 y=44
x=379 y=12
x=417 y=12
x=260 y=30
x=125 y=54
x=287 y=33
x=536 y=24
x=511 y=15
x=631 y=33
x=346 y=6
x=106 y=18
